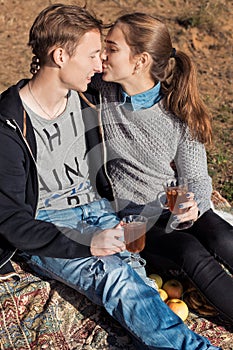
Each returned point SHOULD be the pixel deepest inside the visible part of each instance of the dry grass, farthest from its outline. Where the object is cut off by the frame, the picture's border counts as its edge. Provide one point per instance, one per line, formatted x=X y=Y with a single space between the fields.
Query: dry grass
x=203 y=29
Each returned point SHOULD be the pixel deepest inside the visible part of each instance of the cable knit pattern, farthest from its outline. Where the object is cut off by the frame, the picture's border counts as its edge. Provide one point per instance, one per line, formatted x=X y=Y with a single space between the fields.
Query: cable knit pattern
x=140 y=148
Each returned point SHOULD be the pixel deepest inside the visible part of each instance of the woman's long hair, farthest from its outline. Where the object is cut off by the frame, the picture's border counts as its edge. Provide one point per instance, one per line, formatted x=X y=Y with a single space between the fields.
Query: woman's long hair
x=174 y=69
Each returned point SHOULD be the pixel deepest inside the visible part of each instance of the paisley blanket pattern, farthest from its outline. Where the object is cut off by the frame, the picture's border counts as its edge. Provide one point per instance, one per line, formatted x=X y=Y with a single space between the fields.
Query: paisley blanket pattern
x=36 y=314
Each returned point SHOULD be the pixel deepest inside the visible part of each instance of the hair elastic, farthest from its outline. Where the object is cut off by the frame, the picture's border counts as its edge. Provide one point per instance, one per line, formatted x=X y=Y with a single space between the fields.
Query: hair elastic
x=173 y=52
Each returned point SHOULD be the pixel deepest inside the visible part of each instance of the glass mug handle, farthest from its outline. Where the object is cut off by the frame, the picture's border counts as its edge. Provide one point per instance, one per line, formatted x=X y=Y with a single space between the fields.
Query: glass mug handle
x=159 y=196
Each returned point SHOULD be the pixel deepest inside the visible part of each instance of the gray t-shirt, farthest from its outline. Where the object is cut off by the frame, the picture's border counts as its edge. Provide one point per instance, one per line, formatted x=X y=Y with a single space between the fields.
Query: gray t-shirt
x=62 y=158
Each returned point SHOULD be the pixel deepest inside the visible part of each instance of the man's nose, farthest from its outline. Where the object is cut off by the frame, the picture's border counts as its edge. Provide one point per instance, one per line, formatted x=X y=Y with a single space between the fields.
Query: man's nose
x=98 y=67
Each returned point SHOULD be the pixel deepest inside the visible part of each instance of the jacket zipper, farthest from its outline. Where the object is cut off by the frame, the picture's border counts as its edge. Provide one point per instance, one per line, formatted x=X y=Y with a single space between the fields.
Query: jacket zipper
x=28 y=147
x=25 y=141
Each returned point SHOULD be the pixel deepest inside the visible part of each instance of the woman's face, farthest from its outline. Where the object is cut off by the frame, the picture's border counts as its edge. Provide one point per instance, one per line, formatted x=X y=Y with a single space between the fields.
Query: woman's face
x=118 y=63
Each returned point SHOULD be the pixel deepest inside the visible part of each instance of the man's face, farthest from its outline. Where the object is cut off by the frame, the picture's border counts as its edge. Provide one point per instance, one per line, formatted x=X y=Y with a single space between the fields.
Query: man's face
x=84 y=63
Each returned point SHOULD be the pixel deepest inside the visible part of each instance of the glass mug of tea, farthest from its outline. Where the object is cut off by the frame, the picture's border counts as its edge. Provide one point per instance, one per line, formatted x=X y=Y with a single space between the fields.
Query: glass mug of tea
x=175 y=190
x=135 y=237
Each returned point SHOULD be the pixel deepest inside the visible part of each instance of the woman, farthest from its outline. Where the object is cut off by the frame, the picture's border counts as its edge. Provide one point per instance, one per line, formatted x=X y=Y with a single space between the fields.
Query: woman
x=153 y=119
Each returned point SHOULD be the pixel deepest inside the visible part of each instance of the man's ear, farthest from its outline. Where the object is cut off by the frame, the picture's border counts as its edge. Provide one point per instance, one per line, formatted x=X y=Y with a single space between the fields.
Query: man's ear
x=59 y=56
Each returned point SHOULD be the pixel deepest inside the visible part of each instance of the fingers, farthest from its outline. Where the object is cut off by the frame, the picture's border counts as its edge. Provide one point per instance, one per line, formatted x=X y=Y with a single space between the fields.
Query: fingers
x=190 y=195
x=189 y=202
x=186 y=205
x=119 y=227
x=193 y=212
x=108 y=242
x=190 y=210
x=119 y=234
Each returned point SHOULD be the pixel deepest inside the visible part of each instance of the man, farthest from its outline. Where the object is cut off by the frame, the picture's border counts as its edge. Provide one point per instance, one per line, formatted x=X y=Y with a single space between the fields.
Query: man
x=52 y=214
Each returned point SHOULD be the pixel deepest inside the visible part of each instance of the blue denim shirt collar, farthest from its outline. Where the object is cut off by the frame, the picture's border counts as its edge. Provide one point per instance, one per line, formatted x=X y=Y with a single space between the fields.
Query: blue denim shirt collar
x=143 y=100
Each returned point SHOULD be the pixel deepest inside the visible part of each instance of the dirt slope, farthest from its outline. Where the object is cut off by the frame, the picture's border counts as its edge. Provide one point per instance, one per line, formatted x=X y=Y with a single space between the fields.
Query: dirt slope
x=204 y=29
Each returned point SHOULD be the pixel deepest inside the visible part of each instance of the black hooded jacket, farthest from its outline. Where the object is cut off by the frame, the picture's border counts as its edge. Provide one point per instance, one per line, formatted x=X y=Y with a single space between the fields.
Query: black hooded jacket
x=19 y=230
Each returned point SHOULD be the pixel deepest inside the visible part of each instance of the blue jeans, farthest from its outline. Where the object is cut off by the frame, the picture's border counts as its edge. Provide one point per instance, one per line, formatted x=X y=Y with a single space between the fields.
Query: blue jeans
x=110 y=282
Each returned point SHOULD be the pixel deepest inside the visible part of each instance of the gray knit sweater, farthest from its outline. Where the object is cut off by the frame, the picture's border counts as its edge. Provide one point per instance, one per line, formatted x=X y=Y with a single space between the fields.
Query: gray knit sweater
x=140 y=146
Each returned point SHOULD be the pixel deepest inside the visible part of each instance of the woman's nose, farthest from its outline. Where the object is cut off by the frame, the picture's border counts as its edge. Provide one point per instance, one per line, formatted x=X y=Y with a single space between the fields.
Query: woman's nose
x=103 y=55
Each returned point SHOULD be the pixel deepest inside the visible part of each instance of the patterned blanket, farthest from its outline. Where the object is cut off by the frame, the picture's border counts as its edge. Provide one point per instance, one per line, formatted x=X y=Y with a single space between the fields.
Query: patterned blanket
x=36 y=314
